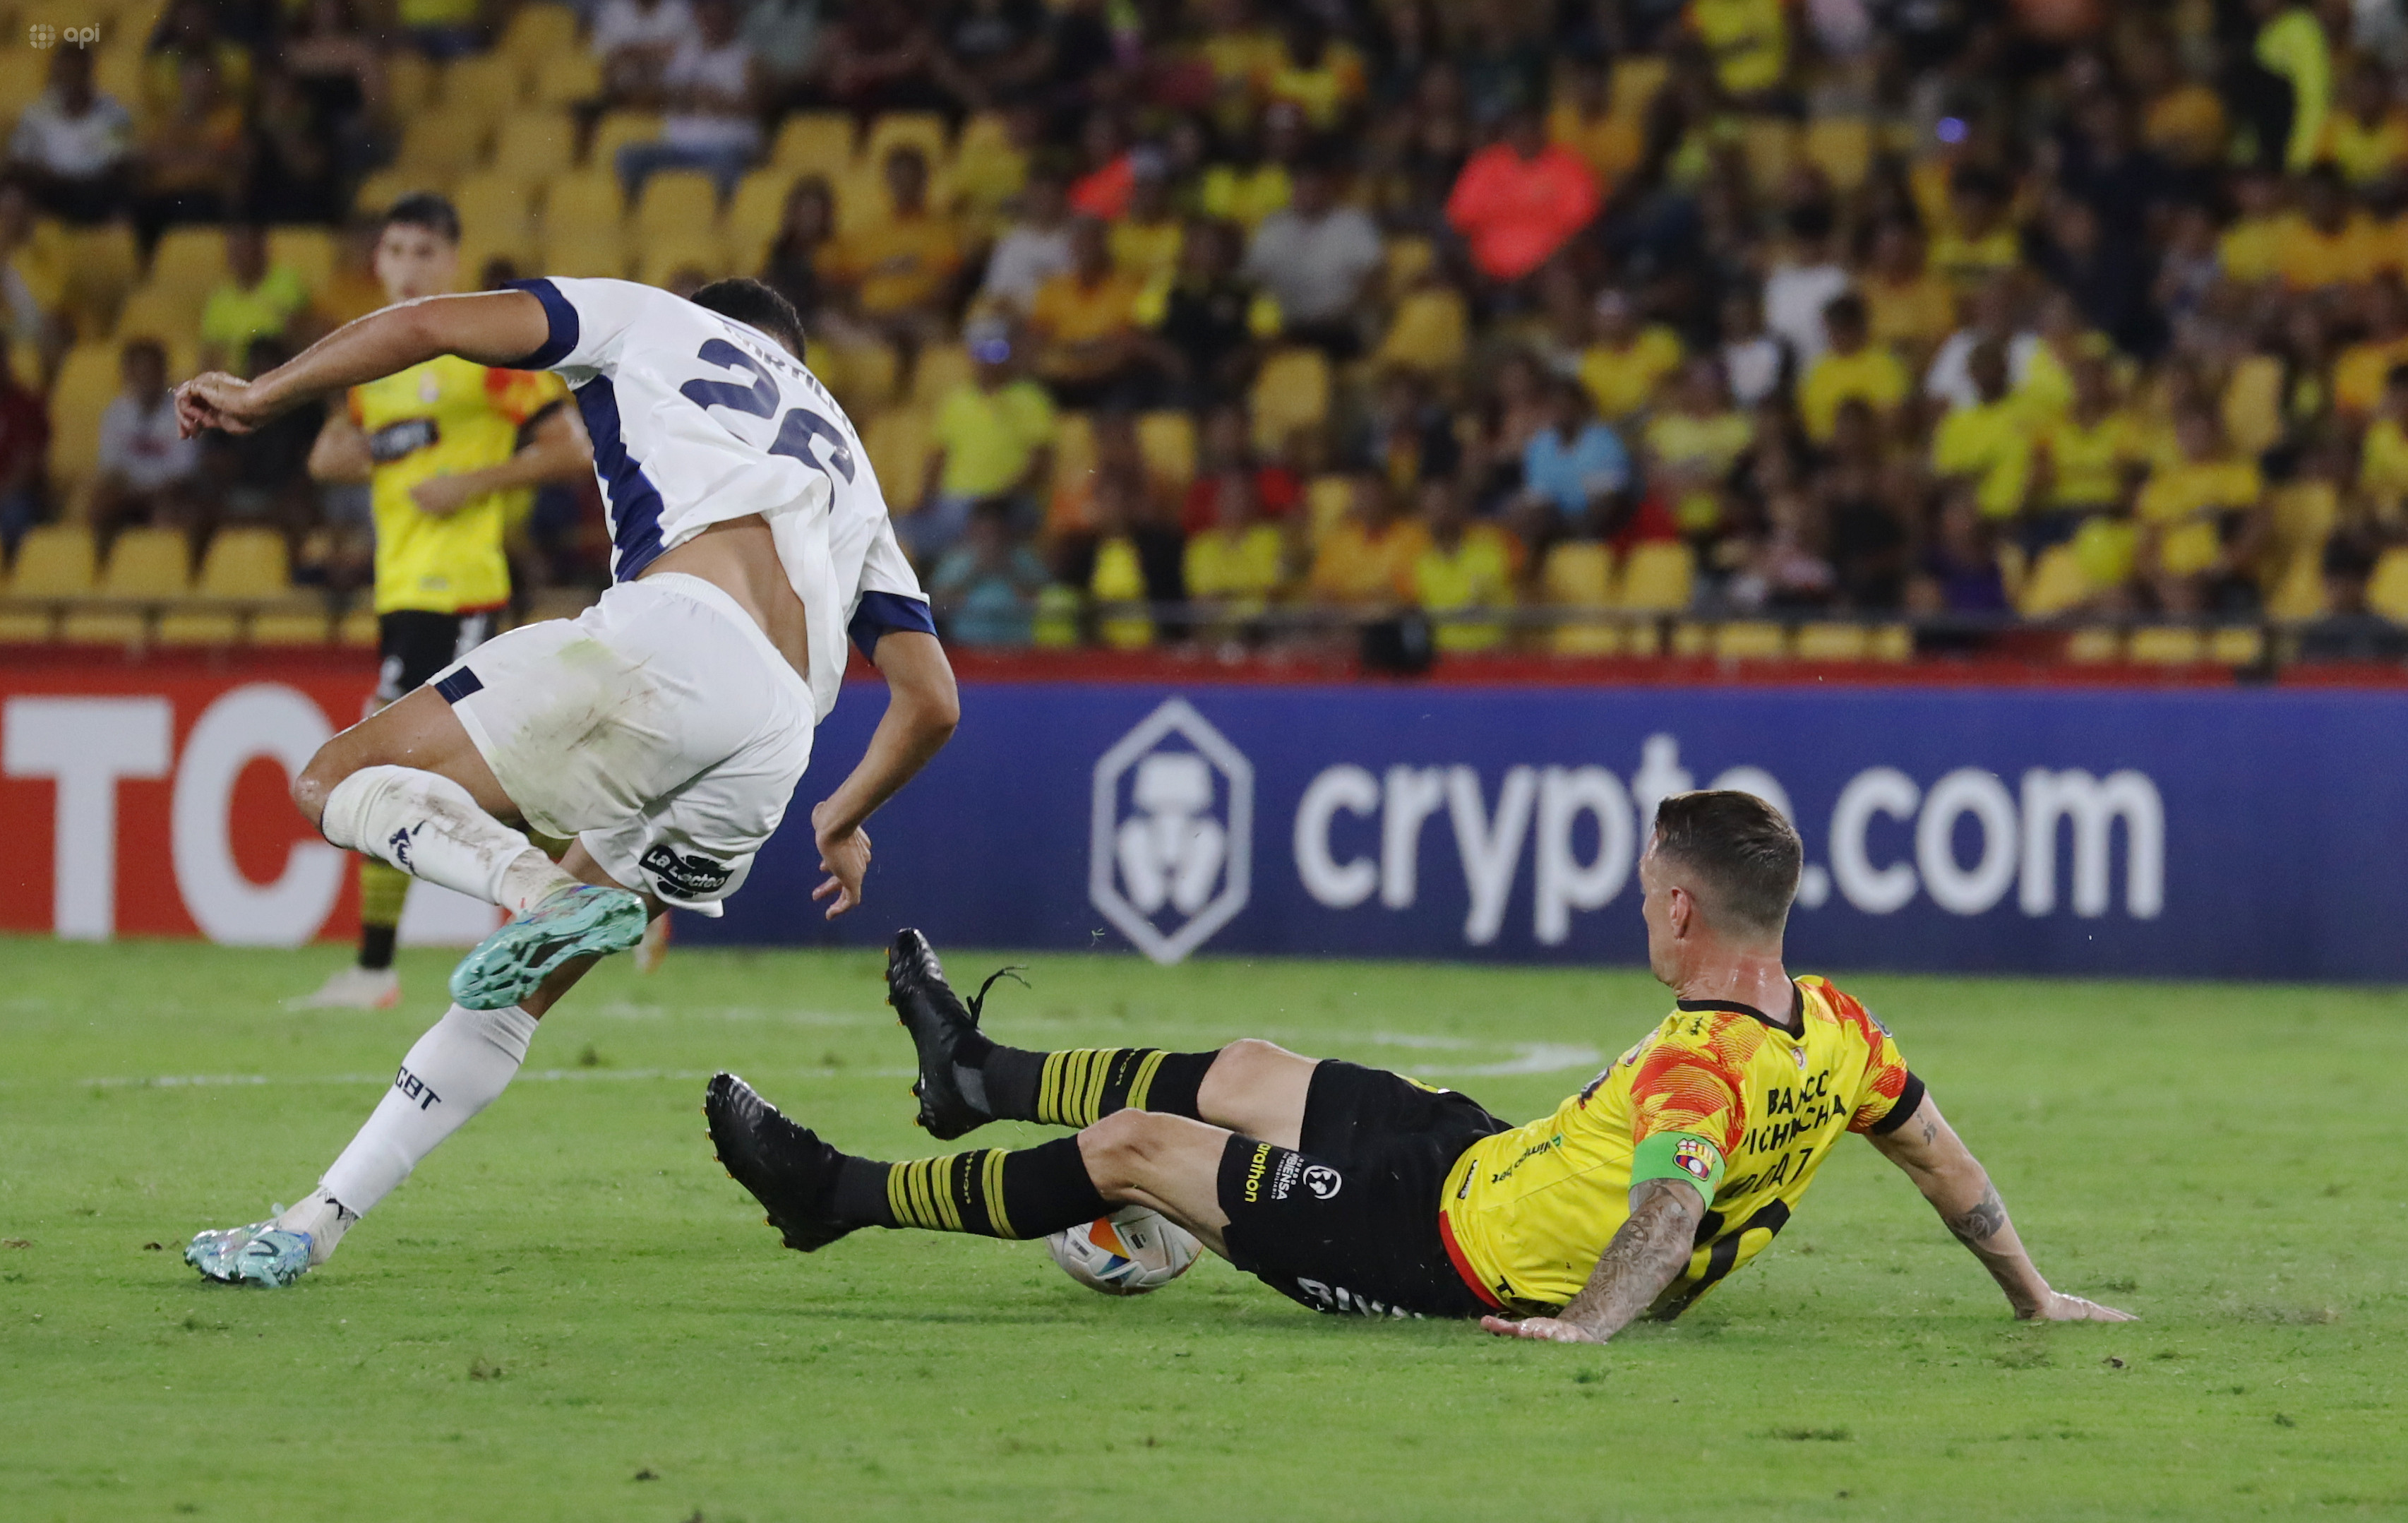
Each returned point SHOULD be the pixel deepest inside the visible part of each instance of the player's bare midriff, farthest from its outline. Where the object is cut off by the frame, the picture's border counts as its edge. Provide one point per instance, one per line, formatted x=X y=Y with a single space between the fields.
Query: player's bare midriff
x=739 y=557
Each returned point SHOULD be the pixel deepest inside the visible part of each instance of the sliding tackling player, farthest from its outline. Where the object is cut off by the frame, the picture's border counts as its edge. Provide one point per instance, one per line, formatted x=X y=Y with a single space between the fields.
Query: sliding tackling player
x=662 y=731
x=1351 y=1189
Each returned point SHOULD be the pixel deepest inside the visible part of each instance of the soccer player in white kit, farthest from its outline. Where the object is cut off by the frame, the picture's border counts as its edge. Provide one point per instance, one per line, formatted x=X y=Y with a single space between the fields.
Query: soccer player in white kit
x=662 y=731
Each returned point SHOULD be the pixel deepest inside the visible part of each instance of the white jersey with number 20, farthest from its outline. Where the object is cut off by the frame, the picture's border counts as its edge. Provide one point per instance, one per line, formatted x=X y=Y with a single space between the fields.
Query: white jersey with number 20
x=698 y=419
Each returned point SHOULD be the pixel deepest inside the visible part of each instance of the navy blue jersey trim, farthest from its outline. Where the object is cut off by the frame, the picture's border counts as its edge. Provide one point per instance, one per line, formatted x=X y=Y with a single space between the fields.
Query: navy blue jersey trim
x=882 y=614
x=635 y=502
x=458 y=685
x=556 y=311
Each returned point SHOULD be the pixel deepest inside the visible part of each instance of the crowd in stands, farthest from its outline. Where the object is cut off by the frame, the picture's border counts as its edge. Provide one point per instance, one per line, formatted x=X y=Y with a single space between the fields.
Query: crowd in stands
x=1556 y=321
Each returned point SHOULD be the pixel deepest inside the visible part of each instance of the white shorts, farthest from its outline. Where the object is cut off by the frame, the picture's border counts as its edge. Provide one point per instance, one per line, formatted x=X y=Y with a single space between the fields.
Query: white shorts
x=660 y=727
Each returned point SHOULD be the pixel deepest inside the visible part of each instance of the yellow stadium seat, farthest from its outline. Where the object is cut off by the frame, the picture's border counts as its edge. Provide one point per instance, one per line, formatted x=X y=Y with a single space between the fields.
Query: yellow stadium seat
x=1409 y=259
x=1074 y=450
x=2296 y=593
x=661 y=257
x=308 y=251
x=54 y=561
x=2053 y=585
x=443 y=143
x=147 y=564
x=814 y=142
x=27 y=625
x=864 y=375
x=494 y=205
x=942 y=371
x=103 y=627
x=1167 y=441
x=484 y=86
x=861 y=198
x=2386 y=587
x=191 y=259
x=533 y=146
x=566 y=78
x=677 y=201
x=358 y=628
x=757 y=207
x=103 y=264
x=2091 y=646
x=1751 y=640
x=597 y=252
x=1635 y=80
x=24 y=74
x=1692 y=639
x=385 y=187
x=1291 y=393
x=615 y=130
x=1769 y=145
x=289 y=627
x=1430 y=333
x=1841 y=147
x=244 y=562
x=1578 y=575
x=197 y=627
x=899 y=445
x=581 y=200
x=169 y=315
x=1833 y=642
x=2236 y=645
x=1891 y=642
x=117 y=70
x=87 y=382
x=2166 y=645
x=923 y=130
x=1659 y=577
x=410 y=80
x=1327 y=499
x=536 y=33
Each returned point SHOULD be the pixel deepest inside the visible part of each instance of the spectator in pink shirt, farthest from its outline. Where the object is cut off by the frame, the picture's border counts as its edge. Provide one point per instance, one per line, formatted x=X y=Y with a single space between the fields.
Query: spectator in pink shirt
x=1520 y=198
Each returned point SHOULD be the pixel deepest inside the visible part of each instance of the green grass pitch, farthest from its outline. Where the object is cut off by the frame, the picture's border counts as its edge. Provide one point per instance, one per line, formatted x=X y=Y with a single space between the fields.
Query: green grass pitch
x=571 y=1313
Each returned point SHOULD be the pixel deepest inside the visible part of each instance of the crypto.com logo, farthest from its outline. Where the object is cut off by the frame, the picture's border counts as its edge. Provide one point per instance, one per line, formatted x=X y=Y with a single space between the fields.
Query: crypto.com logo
x=1169 y=861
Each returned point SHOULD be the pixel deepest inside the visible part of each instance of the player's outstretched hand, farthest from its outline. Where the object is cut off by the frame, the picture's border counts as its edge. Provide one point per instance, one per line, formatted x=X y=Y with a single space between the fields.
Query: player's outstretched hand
x=844 y=857
x=1546 y=1329
x=217 y=400
x=2063 y=1308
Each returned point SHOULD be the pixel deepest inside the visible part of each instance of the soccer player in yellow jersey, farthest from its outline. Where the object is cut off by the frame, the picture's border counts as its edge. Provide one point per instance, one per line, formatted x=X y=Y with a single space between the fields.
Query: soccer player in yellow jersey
x=1354 y=1190
x=451 y=451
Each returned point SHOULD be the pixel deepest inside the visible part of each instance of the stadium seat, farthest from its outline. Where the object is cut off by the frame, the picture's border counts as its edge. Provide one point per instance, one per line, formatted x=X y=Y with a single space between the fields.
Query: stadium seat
x=117 y=70
x=1833 y=643
x=55 y=560
x=1291 y=393
x=26 y=625
x=1891 y=642
x=1635 y=80
x=197 y=627
x=309 y=251
x=1327 y=499
x=103 y=264
x=2054 y=584
x=566 y=78
x=1167 y=439
x=170 y=315
x=1408 y=259
x=1841 y=147
x=147 y=564
x=814 y=142
x=486 y=87
x=289 y=627
x=358 y=628
x=1578 y=575
x=615 y=130
x=442 y=143
x=24 y=74
x=409 y=81
x=861 y=198
x=756 y=208
x=1074 y=450
x=1751 y=640
x=1769 y=146
x=595 y=251
x=385 y=187
x=531 y=147
x=941 y=371
x=676 y=202
x=244 y=562
x=1691 y=639
x=1054 y=626
x=2094 y=645
x=661 y=257
x=189 y=259
x=923 y=130
x=496 y=208
x=2386 y=587
x=581 y=200
x=2236 y=645
x=1429 y=334
x=899 y=446
x=2166 y=645
x=1659 y=577
x=864 y=375
x=87 y=382
x=539 y=33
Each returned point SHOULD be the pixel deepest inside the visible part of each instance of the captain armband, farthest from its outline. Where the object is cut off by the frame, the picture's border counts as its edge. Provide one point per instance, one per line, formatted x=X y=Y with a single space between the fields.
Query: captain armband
x=1679 y=1154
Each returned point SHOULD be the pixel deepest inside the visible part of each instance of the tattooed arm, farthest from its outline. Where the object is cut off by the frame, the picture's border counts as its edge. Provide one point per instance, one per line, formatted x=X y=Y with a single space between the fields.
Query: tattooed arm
x=1952 y=1180
x=1639 y=1261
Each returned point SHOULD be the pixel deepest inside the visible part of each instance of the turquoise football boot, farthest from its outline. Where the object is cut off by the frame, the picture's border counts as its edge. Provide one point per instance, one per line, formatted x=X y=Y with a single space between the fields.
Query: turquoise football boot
x=579 y=921
x=260 y=1253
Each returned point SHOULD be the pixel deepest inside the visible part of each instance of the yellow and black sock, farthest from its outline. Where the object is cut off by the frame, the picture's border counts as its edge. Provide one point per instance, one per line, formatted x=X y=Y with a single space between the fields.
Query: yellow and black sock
x=1082 y=1087
x=382 y=889
x=1024 y=1193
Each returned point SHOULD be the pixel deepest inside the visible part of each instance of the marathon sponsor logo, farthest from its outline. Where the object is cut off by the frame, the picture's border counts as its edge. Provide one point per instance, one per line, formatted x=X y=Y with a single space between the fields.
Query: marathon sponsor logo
x=1337 y=1300
x=1254 y=1170
x=686 y=877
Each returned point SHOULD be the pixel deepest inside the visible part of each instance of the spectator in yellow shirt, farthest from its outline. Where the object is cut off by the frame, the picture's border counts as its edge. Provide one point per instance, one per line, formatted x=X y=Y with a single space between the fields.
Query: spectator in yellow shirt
x=901 y=269
x=1322 y=79
x=1584 y=119
x=2383 y=455
x=2365 y=366
x=1465 y=569
x=2251 y=248
x=2202 y=517
x=1978 y=239
x=1854 y=368
x=995 y=439
x=256 y=300
x=1629 y=359
x=2332 y=243
x=2367 y=139
x=1241 y=562
x=1747 y=39
x=1692 y=444
x=1988 y=443
x=1366 y=561
x=1147 y=238
x=1090 y=348
x=1909 y=309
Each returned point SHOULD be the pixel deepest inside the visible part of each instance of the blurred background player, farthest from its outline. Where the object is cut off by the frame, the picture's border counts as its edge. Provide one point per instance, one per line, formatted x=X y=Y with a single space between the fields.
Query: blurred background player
x=452 y=452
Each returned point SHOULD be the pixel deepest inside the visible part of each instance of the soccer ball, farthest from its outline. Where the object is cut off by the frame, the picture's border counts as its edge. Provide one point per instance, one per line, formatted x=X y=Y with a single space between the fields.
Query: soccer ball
x=1128 y=1253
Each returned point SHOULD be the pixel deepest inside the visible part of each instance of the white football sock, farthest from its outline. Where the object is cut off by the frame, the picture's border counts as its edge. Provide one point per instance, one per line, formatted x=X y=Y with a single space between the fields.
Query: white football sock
x=429 y=827
x=456 y=1069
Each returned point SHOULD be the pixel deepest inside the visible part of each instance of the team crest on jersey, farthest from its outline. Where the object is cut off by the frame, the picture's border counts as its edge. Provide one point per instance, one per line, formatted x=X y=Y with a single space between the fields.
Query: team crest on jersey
x=1695 y=1156
x=1800 y=1054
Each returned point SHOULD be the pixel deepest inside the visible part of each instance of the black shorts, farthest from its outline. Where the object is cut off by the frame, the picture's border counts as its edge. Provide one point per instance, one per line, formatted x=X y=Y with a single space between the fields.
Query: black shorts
x=413 y=644
x=1350 y=1221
